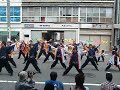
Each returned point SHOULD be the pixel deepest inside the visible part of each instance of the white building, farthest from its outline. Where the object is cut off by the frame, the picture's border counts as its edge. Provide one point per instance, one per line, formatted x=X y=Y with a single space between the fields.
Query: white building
x=15 y=19
x=90 y=21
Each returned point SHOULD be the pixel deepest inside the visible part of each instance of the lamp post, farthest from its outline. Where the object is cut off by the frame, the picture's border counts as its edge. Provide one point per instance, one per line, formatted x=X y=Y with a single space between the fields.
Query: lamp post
x=8 y=20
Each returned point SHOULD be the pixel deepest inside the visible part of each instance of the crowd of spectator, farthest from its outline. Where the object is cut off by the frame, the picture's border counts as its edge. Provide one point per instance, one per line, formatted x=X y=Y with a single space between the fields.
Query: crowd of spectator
x=26 y=82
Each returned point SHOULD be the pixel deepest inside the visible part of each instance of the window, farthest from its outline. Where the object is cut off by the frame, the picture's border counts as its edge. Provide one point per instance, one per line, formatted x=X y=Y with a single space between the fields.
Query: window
x=37 y=11
x=3 y=14
x=55 y=11
x=82 y=19
x=109 y=12
x=49 y=11
x=75 y=11
x=89 y=19
x=43 y=11
x=15 y=14
x=66 y=11
x=89 y=12
x=96 y=12
x=25 y=11
x=83 y=12
x=103 y=12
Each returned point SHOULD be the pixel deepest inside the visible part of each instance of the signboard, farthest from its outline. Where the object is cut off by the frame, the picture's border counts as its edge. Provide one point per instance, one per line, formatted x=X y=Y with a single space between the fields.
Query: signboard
x=50 y=25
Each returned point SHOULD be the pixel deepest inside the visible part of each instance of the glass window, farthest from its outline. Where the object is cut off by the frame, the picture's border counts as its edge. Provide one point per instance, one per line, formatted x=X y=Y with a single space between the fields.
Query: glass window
x=43 y=11
x=96 y=12
x=103 y=12
x=37 y=11
x=89 y=19
x=49 y=11
x=68 y=11
x=15 y=14
x=25 y=11
x=3 y=19
x=75 y=11
x=83 y=19
x=61 y=11
x=55 y=11
x=90 y=12
x=83 y=12
x=2 y=11
x=96 y=19
x=109 y=12
x=64 y=11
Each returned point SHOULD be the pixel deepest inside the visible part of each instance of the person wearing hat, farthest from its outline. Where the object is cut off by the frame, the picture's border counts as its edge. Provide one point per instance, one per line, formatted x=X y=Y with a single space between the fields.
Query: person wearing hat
x=73 y=62
x=59 y=55
x=22 y=84
x=108 y=85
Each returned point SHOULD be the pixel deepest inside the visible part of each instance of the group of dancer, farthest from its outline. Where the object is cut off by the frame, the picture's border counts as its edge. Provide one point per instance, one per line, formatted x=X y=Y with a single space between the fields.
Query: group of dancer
x=58 y=51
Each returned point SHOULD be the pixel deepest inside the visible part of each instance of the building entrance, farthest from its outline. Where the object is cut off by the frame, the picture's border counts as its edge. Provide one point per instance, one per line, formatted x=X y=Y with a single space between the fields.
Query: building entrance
x=55 y=35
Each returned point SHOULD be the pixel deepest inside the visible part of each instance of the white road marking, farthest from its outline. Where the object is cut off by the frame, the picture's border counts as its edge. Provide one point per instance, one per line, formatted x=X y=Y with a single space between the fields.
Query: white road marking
x=88 y=84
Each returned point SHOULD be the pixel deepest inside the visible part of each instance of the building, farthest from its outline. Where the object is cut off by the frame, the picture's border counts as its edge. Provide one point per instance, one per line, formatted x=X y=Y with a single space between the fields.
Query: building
x=90 y=21
x=117 y=23
x=15 y=19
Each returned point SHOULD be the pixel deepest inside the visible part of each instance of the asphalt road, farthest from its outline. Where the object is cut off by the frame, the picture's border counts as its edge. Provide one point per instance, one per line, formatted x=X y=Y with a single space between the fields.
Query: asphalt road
x=92 y=77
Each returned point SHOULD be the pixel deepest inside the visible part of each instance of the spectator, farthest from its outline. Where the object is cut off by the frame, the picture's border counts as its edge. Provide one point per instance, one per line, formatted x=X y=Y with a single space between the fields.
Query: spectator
x=57 y=84
x=108 y=85
x=22 y=84
x=79 y=80
x=49 y=87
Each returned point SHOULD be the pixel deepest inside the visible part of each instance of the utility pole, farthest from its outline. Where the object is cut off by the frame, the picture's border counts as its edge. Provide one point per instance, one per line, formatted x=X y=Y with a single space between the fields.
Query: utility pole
x=8 y=20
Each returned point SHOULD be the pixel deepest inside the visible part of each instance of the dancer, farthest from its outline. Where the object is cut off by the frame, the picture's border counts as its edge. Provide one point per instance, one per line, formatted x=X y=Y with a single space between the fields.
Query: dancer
x=31 y=59
x=114 y=60
x=59 y=55
x=10 y=53
x=4 y=59
x=49 y=53
x=42 y=50
x=90 y=57
x=102 y=55
x=21 y=50
x=73 y=62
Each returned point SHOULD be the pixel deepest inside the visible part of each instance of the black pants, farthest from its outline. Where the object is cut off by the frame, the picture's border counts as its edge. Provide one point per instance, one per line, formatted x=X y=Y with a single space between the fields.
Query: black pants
x=108 y=67
x=20 y=52
x=70 y=66
x=89 y=60
x=101 y=57
x=12 y=62
x=4 y=63
x=47 y=56
x=95 y=59
x=33 y=62
x=40 y=53
x=56 y=61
